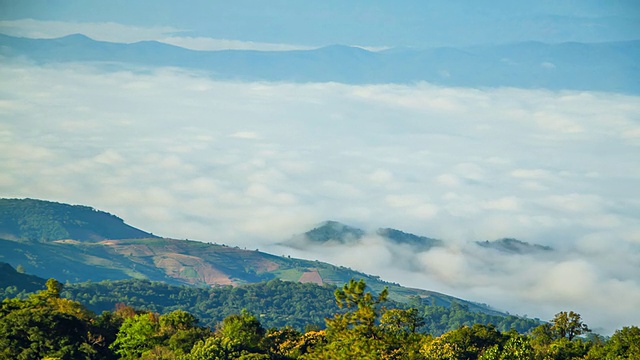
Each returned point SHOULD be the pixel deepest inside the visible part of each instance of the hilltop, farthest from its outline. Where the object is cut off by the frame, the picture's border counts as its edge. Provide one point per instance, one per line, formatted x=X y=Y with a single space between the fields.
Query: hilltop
x=46 y=221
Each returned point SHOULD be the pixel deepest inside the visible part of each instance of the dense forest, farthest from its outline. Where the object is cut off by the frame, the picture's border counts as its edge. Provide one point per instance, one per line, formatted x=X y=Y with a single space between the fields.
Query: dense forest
x=277 y=303
x=45 y=325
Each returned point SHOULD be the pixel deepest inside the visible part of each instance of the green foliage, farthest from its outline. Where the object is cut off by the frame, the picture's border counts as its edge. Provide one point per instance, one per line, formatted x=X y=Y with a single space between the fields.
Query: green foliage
x=517 y=347
x=218 y=348
x=277 y=303
x=466 y=342
x=44 y=325
x=402 y=321
x=244 y=328
x=366 y=329
x=569 y=325
x=623 y=344
x=362 y=309
x=440 y=319
x=137 y=335
x=47 y=326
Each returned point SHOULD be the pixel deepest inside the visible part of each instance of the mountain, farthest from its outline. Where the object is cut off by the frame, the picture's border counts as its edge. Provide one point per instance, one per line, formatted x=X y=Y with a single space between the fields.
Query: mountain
x=607 y=66
x=68 y=254
x=22 y=282
x=419 y=243
x=35 y=220
x=334 y=233
x=514 y=246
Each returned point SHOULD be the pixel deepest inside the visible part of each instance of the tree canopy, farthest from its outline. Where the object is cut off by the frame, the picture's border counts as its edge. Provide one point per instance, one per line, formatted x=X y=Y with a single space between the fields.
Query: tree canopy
x=45 y=325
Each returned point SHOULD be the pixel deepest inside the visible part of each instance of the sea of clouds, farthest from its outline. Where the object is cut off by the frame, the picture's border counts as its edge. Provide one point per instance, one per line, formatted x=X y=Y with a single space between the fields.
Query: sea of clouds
x=182 y=155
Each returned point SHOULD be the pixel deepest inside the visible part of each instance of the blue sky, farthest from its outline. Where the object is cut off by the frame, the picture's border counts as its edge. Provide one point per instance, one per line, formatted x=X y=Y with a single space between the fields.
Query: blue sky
x=177 y=153
x=366 y=23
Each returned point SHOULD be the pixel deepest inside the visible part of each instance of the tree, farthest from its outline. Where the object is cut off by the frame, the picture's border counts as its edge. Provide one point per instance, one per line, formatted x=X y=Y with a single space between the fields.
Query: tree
x=517 y=347
x=362 y=309
x=623 y=344
x=366 y=330
x=401 y=321
x=136 y=336
x=214 y=347
x=54 y=288
x=568 y=325
x=282 y=342
x=45 y=325
x=399 y=328
x=465 y=343
x=177 y=320
x=243 y=327
x=179 y=332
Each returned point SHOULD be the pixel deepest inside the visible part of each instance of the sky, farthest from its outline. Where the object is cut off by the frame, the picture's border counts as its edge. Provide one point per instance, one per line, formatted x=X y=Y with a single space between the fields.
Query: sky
x=180 y=154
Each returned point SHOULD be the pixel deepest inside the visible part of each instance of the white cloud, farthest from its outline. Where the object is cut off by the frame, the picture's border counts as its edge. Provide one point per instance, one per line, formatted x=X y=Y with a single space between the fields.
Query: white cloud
x=548 y=65
x=249 y=135
x=250 y=164
x=508 y=203
x=210 y=44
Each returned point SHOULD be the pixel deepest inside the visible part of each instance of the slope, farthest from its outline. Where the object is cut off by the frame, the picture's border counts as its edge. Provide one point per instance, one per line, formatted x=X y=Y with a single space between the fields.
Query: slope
x=178 y=262
x=45 y=221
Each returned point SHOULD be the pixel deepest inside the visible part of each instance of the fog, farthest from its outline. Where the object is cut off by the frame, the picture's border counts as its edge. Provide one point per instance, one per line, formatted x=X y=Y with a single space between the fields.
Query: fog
x=182 y=155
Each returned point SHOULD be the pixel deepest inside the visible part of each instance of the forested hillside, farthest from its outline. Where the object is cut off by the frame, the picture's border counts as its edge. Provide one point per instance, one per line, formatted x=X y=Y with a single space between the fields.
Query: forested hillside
x=48 y=326
x=76 y=243
x=277 y=303
x=37 y=220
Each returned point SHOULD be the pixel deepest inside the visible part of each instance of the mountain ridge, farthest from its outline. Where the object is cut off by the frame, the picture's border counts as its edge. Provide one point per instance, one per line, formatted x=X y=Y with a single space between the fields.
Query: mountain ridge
x=334 y=233
x=605 y=66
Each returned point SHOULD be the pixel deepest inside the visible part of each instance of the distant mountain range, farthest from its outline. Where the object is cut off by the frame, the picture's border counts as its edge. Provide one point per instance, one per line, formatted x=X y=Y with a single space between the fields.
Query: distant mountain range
x=78 y=243
x=333 y=233
x=514 y=246
x=609 y=66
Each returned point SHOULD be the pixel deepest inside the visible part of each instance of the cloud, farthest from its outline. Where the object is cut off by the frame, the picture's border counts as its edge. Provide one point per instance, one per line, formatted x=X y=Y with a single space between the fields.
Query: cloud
x=249 y=135
x=210 y=44
x=250 y=164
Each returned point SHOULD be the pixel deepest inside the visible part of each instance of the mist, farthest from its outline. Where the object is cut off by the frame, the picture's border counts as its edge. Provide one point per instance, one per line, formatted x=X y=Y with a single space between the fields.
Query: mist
x=182 y=155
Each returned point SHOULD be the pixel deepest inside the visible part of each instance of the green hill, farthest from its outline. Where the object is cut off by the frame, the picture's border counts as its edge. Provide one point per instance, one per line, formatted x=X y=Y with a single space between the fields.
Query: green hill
x=18 y=281
x=78 y=243
x=44 y=221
